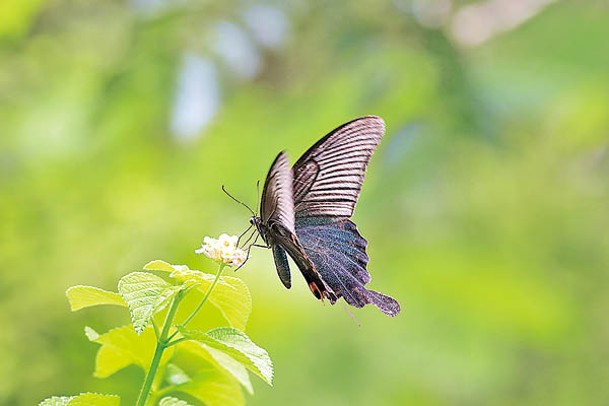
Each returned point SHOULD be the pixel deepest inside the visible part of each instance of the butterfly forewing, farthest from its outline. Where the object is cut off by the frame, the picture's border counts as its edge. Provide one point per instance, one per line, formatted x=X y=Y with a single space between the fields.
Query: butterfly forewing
x=328 y=177
x=277 y=195
x=278 y=229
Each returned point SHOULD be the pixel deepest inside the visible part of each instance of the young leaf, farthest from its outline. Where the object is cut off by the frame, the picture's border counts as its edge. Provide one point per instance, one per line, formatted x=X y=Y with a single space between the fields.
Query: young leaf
x=145 y=295
x=220 y=360
x=159 y=265
x=237 y=345
x=88 y=296
x=84 y=399
x=56 y=401
x=214 y=388
x=95 y=399
x=122 y=347
x=169 y=401
x=232 y=366
x=231 y=295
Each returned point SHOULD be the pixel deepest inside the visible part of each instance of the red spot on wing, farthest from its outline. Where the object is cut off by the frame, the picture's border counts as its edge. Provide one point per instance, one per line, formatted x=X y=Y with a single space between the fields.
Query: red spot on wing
x=316 y=291
x=322 y=293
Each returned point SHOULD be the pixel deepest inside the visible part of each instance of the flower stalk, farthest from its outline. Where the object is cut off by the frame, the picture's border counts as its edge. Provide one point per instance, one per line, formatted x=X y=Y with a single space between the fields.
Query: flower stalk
x=207 y=294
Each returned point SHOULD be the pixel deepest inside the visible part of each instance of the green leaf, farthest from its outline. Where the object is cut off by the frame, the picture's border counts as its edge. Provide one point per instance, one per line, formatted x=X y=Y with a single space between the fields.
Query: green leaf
x=237 y=345
x=214 y=388
x=122 y=347
x=170 y=401
x=231 y=295
x=56 y=401
x=221 y=361
x=232 y=366
x=88 y=296
x=159 y=265
x=95 y=399
x=145 y=294
x=84 y=399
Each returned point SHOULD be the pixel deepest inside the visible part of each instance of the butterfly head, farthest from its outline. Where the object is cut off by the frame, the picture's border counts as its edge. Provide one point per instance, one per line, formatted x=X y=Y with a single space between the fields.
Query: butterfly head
x=257 y=222
x=260 y=227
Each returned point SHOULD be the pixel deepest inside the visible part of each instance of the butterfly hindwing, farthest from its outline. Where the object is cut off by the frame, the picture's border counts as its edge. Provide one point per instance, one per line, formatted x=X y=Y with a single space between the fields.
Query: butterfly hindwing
x=290 y=243
x=338 y=252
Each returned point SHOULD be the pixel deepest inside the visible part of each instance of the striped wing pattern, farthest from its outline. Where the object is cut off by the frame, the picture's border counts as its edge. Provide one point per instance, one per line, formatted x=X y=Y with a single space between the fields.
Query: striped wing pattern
x=329 y=176
x=277 y=201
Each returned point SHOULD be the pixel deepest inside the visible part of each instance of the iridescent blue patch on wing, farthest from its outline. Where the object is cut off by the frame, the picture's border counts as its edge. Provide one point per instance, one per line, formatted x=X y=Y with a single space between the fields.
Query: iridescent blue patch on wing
x=338 y=252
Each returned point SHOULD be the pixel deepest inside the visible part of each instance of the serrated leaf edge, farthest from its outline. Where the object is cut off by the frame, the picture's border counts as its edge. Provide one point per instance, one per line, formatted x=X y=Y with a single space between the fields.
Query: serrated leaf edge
x=191 y=334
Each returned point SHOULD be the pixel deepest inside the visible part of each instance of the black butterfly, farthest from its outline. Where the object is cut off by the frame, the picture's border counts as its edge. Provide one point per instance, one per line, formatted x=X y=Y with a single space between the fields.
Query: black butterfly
x=305 y=212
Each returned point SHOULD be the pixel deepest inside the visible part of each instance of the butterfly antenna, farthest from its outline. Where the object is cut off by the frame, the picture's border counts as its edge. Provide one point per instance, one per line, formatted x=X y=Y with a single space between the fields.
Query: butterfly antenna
x=258 y=194
x=238 y=201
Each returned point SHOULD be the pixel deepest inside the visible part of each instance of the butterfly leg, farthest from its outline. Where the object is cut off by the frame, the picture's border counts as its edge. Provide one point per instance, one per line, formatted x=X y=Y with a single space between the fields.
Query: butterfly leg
x=249 y=249
x=247 y=257
x=243 y=233
x=248 y=239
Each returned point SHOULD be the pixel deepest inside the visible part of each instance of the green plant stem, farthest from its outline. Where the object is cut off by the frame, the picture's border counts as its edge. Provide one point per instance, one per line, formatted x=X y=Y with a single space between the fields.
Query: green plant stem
x=161 y=345
x=211 y=288
x=176 y=341
x=155 y=327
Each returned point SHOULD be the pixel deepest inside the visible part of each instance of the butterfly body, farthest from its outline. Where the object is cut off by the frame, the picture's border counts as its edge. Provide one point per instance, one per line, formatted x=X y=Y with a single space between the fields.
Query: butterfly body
x=305 y=213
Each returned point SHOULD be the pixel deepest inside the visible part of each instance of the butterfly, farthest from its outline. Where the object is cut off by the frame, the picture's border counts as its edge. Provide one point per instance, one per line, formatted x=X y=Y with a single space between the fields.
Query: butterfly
x=305 y=212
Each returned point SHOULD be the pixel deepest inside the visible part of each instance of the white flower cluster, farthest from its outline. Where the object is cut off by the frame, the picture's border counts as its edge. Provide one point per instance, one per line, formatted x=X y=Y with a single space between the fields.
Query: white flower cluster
x=223 y=250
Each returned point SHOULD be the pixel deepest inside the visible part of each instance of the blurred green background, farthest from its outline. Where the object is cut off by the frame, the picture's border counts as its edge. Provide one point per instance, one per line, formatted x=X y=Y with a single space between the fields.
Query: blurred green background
x=485 y=206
